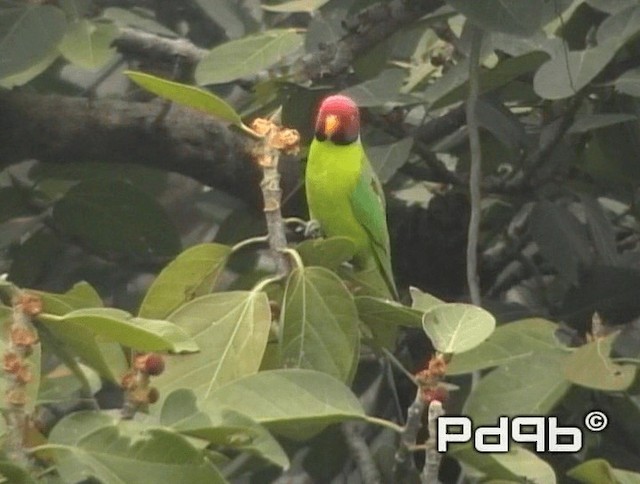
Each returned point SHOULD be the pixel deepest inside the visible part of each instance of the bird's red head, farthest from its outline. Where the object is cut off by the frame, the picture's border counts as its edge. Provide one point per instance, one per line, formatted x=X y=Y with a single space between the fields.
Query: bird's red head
x=338 y=120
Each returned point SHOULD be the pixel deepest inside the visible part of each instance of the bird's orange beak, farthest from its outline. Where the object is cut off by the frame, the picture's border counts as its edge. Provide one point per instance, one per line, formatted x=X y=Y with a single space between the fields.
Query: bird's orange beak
x=331 y=124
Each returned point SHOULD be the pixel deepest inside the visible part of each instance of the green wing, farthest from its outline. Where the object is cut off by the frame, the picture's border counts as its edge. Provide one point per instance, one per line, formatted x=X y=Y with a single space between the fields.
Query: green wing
x=367 y=201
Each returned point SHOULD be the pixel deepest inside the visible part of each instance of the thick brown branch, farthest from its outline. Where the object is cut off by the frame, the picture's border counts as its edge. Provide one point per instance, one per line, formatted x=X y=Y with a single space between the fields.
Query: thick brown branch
x=60 y=129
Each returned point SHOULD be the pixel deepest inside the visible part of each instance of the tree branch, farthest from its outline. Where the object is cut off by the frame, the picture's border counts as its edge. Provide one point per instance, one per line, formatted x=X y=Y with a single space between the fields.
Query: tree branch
x=61 y=129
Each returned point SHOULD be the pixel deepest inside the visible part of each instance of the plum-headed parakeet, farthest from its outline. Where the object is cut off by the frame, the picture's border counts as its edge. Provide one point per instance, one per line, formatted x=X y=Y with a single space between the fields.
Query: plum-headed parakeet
x=344 y=195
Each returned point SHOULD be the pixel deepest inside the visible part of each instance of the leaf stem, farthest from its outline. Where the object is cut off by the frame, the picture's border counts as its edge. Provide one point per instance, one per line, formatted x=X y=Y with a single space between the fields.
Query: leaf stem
x=385 y=423
x=261 y=239
x=295 y=256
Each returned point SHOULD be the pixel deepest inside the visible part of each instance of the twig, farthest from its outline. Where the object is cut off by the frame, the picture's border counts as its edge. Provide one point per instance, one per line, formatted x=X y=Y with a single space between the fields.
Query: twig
x=409 y=436
x=18 y=373
x=266 y=153
x=361 y=454
x=475 y=175
x=432 y=456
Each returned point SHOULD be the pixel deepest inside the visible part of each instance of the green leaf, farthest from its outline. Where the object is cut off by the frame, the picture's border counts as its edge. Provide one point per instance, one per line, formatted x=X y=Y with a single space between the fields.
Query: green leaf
x=561 y=238
x=247 y=56
x=601 y=231
x=490 y=79
x=193 y=273
x=388 y=159
x=293 y=402
x=24 y=40
x=82 y=295
x=629 y=83
x=319 y=323
x=378 y=91
x=526 y=386
x=92 y=444
x=100 y=214
x=517 y=465
x=88 y=44
x=295 y=6
x=229 y=15
x=329 y=253
x=190 y=96
x=620 y=27
x=598 y=471
x=590 y=366
x=566 y=74
x=509 y=342
x=457 y=327
x=423 y=301
x=14 y=474
x=106 y=358
x=508 y=16
x=231 y=329
x=384 y=317
x=31 y=72
x=116 y=325
x=233 y=429
x=588 y=122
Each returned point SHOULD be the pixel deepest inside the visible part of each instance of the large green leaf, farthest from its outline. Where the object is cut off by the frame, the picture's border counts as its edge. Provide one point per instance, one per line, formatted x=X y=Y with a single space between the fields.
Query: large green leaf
x=457 y=327
x=185 y=95
x=329 y=252
x=587 y=122
x=247 y=56
x=193 y=273
x=388 y=159
x=526 y=386
x=319 y=323
x=231 y=329
x=92 y=444
x=116 y=325
x=378 y=91
x=296 y=403
x=230 y=428
x=28 y=35
x=106 y=358
x=590 y=366
x=517 y=465
x=295 y=6
x=509 y=342
x=423 y=301
x=112 y=216
x=629 y=82
x=88 y=44
x=567 y=73
x=15 y=474
x=490 y=79
x=510 y=16
x=385 y=317
x=620 y=27
x=597 y=471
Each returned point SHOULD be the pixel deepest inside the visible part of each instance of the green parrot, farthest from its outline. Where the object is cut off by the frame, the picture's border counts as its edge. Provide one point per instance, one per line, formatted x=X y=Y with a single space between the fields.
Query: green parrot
x=344 y=194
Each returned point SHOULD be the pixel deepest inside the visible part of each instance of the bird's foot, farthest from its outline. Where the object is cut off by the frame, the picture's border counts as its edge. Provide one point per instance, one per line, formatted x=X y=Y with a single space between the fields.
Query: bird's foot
x=312 y=229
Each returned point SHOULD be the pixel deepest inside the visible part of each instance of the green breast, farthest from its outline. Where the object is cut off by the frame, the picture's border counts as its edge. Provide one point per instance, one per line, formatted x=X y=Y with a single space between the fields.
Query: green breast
x=331 y=176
